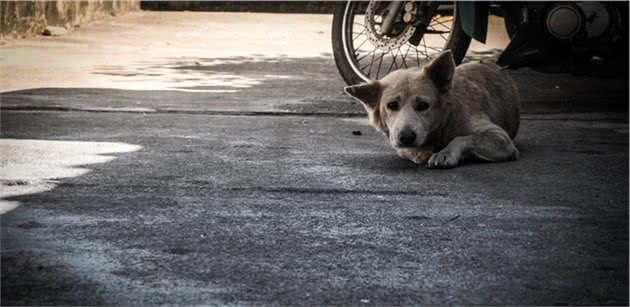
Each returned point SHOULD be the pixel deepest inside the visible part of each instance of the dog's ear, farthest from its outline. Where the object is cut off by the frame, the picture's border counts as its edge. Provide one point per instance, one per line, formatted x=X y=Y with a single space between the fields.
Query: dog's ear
x=367 y=93
x=441 y=70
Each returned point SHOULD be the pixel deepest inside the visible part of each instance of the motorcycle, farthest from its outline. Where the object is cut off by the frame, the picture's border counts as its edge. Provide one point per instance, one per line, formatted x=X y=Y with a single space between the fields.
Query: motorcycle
x=371 y=39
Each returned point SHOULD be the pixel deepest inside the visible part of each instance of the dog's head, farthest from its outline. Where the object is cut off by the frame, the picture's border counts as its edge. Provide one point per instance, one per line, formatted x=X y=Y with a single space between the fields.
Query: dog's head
x=407 y=105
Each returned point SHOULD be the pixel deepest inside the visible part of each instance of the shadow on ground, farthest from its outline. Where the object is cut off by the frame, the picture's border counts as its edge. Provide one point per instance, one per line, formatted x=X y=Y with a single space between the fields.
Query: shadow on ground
x=298 y=210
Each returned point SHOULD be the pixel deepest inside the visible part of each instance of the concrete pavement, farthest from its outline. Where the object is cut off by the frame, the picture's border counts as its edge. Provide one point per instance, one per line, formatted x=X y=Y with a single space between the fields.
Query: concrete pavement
x=232 y=176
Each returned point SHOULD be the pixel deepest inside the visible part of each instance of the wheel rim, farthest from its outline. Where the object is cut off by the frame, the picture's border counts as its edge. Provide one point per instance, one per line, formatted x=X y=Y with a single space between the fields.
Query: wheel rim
x=371 y=60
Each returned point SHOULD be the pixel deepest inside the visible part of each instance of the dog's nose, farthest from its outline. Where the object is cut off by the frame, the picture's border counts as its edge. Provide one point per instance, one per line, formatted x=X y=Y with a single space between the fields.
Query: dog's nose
x=407 y=137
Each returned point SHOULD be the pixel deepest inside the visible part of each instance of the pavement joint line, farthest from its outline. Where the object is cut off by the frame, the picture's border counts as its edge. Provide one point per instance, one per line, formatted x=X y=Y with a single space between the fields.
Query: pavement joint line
x=334 y=191
x=189 y=112
x=277 y=190
x=528 y=116
x=524 y=115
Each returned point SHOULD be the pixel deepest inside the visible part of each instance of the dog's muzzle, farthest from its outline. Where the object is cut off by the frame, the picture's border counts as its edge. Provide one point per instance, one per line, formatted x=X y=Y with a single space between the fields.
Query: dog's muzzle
x=407 y=138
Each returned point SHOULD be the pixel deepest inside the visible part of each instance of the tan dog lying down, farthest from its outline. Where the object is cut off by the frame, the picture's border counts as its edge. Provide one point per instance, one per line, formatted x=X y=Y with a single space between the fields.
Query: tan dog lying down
x=441 y=115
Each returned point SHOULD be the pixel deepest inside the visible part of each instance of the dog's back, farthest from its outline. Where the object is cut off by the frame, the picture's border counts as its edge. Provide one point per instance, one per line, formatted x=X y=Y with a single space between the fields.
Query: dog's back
x=485 y=90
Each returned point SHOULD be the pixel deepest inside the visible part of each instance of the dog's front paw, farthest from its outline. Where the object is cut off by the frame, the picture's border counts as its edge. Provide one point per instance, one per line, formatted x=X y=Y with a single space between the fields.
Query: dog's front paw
x=443 y=159
x=415 y=155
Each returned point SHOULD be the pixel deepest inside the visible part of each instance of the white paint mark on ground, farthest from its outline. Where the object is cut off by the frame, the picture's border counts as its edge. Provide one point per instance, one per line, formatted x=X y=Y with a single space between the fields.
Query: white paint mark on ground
x=34 y=166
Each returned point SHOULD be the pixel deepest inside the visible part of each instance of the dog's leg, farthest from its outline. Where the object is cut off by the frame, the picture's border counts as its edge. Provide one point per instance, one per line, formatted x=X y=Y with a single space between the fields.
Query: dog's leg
x=417 y=155
x=491 y=144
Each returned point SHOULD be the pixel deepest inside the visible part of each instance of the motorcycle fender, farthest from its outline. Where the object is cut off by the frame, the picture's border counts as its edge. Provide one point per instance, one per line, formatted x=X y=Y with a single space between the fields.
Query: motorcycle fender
x=474 y=18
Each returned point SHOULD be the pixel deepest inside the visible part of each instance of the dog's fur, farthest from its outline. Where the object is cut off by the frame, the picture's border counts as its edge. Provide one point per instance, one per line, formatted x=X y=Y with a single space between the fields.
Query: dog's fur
x=441 y=115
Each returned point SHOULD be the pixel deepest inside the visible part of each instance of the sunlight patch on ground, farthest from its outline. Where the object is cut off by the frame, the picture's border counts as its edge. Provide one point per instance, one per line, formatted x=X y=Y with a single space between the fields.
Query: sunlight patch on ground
x=187 y=74
x=35 y=166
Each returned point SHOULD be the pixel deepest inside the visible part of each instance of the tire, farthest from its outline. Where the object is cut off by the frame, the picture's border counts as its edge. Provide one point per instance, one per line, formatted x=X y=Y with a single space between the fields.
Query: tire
x=458 y=42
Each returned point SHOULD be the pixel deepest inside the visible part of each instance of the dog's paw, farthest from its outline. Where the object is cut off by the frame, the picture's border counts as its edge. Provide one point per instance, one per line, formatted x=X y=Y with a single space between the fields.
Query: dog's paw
x=443 y=160
x=416 y=156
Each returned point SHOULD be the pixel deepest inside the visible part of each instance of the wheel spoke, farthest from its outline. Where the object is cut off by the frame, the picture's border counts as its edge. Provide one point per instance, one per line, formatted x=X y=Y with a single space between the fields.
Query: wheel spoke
x=443 y=37
x=405 y=56
x=436 y=22
x=366 y=39
x=367 y=54
x=379 y=64
x=358 y=34
x=371 y=62
x=434 y=48
x=393 y=62
x=426 y=52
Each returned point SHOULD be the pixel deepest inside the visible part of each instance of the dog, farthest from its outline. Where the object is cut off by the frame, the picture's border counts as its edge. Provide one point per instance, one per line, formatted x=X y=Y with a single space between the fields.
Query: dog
x=441 y=115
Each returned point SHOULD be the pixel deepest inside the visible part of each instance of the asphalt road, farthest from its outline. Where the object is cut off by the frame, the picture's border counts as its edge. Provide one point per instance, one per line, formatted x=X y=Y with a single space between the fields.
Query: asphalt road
x=248 y=185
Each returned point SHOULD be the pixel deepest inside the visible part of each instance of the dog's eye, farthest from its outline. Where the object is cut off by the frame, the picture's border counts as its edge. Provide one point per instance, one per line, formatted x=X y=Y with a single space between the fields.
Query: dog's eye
x=421 y=105
x=393 y=106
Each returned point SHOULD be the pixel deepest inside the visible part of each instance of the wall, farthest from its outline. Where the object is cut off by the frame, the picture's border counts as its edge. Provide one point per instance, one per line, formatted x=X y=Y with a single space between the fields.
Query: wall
x=27 y=18
x=315 y=7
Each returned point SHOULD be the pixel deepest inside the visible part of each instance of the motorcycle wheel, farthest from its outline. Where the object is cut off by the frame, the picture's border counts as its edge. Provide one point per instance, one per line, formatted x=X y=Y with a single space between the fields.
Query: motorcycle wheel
x=374 y=56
